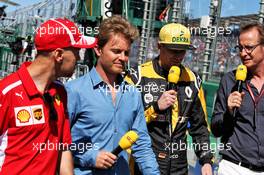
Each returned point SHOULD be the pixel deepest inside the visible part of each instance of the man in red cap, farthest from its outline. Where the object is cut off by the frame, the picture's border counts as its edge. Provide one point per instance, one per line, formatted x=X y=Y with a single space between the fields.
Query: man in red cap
x=34 y=126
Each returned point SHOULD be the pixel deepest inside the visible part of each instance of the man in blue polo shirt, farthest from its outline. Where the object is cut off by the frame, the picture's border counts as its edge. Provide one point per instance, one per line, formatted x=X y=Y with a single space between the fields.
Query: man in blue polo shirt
x=103 y=107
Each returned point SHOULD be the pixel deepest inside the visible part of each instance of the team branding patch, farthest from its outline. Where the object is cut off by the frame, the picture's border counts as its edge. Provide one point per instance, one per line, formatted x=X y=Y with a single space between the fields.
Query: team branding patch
x=183 y=119
x=57 y=99
x=151 y=87
x=160 y=118
x=23 y=116
x=188 y=92
x=162 y=155
x=29 y=115
x=37 y=113
x=148 y=98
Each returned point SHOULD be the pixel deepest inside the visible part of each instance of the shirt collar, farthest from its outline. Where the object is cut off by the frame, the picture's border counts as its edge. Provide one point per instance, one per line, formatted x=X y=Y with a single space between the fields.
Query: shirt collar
x=97 y=80
x=95 y=77
x=28 y=82
x=26 y=79
x=158 y=69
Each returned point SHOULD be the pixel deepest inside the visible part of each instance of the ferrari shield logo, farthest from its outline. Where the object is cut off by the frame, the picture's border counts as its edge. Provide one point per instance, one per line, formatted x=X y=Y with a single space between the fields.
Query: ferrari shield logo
x=57 y=99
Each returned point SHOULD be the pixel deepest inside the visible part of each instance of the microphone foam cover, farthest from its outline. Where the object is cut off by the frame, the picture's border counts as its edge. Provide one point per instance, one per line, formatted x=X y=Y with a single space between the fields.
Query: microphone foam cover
x=174 y=74
x=128 y=139
x=241 y=72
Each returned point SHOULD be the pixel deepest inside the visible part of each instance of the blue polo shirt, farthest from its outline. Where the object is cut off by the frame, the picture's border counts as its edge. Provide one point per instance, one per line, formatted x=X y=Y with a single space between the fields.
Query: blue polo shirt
x=98 y=124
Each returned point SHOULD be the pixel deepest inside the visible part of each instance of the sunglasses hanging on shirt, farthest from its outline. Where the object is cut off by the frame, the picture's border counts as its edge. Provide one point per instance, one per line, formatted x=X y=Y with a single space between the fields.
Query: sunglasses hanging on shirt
x=52 y=111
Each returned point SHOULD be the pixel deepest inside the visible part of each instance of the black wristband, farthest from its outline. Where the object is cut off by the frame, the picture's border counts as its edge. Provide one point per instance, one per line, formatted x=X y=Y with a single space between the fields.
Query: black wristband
x=156 y=107
x=207 y=157
x=206 y=161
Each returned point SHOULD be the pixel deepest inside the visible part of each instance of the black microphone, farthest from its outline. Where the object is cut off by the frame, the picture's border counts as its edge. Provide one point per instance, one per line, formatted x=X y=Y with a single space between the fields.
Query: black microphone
x=125 y=142
x=241 y=75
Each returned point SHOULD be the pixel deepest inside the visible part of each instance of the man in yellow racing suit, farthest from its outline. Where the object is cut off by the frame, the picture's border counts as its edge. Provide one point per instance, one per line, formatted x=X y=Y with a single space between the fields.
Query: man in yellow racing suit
x=168 y=111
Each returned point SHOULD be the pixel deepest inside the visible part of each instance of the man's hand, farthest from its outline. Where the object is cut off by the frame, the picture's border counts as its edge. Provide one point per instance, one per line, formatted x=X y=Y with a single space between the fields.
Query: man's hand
x=65 y=166
x=105 y=160
x=207 y=169
x=234 y=100
x=167 y=99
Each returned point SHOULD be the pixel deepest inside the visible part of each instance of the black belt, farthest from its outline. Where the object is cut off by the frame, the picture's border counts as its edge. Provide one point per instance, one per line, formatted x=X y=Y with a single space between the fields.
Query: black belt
x=246 y=165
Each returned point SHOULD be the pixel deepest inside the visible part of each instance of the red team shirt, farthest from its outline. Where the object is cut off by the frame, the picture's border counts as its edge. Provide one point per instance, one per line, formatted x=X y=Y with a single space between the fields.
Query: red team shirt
x=29 y=139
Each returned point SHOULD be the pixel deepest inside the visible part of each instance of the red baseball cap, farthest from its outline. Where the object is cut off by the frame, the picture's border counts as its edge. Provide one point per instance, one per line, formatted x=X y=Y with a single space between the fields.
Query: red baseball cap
x=61 y=33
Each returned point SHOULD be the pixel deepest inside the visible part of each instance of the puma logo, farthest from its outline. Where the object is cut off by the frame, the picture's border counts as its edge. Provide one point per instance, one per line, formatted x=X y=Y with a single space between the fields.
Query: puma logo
x=19 y=94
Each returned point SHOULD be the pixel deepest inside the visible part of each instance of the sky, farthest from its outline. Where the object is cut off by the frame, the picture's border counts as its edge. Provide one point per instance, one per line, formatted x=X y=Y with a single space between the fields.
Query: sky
x=198 y=8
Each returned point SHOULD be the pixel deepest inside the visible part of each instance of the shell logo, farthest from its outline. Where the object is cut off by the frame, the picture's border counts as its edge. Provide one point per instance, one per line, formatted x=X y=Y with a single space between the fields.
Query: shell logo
x=23 y=116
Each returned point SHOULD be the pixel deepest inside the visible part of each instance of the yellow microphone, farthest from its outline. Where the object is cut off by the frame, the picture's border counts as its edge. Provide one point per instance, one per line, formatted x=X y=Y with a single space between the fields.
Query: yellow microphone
x=126 y=142
x=174 y=74
x=173 y=77
x=241 y=75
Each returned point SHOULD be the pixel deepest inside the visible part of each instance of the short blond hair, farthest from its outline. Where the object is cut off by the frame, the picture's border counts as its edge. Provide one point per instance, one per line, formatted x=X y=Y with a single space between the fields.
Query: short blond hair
x=116 y=25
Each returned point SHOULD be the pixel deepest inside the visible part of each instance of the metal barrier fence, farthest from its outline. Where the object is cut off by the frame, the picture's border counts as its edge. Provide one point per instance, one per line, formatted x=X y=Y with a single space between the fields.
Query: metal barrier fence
x=6 y=60
x=9 y=62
